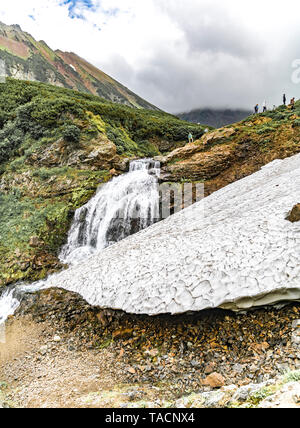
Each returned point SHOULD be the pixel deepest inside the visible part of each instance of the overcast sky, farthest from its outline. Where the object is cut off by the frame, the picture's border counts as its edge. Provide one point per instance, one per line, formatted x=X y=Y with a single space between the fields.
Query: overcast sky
x=177 y=54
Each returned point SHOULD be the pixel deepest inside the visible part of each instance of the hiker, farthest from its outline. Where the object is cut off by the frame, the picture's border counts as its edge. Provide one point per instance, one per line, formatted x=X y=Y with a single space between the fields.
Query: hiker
x=284 y=99
x=256 y=109
x=264 y=106
x=191 y=139
x=292 y=103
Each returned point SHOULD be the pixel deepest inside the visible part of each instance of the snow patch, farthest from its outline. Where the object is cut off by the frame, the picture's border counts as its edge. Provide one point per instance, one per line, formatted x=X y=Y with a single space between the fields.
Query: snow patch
x=234 y=249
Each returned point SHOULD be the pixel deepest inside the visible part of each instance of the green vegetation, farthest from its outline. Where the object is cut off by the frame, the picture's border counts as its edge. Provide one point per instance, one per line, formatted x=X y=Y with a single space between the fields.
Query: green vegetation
x=44 y=111
x=292 y=376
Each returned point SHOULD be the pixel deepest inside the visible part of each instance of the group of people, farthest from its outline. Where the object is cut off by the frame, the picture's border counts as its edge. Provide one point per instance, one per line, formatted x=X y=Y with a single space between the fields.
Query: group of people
x=256 y=108
x=264 y=106
x=256 y=111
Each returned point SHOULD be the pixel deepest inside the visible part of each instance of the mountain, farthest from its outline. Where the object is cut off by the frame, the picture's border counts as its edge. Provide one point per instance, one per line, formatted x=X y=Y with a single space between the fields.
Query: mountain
x=28 y=59
x=215 y=117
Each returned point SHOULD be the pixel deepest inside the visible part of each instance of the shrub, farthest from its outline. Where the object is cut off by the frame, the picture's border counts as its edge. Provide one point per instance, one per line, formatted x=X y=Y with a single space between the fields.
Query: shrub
x=265 y=130
x=11 y=137
x=71 y=133
x=296 y=123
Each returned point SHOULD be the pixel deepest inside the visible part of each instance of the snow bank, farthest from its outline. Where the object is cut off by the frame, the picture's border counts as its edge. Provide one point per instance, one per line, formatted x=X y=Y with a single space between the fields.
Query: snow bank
x=234 y=249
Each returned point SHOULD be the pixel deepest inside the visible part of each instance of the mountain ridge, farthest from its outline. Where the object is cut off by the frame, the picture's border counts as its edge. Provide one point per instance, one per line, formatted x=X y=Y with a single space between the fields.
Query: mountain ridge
x=215 y=117
x=28 y=59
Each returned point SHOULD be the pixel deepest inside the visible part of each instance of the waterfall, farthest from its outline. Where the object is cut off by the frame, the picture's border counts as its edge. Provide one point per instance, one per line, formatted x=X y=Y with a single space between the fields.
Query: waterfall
x=122 y=207
x=125 y=205
x=11 y=297
x=8 y=303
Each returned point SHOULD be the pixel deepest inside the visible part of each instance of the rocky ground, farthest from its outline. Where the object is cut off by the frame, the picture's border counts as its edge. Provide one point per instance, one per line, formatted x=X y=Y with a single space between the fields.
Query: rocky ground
x=61 y=352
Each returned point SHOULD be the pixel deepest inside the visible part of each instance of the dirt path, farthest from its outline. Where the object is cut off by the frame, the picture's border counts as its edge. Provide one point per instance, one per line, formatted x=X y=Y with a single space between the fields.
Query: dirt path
x=42 y=371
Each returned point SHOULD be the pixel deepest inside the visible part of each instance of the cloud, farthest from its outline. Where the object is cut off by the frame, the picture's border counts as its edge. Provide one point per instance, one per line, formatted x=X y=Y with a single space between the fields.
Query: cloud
x=179 y=54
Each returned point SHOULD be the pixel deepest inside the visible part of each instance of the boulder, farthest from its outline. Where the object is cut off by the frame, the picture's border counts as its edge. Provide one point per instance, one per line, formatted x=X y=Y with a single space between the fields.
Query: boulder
x=294 y=215
x=214 y=380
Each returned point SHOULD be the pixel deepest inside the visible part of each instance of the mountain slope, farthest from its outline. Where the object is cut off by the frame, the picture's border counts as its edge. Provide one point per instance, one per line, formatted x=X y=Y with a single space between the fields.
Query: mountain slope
x=28 y=59
x=215 y=117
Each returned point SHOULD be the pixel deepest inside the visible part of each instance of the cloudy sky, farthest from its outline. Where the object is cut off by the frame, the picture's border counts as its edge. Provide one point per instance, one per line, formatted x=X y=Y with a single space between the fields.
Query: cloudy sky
x=177 y=54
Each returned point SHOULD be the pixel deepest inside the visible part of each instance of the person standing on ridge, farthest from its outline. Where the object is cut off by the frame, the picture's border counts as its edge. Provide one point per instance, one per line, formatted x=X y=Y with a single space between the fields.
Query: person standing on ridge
x=284 y=99
x=293 y=103
x=190 y=137
x=264 y=106
x=256 y=109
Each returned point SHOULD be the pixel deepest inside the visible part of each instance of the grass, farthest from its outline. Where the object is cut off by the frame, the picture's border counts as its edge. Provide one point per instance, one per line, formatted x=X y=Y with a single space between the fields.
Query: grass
x=36 y=110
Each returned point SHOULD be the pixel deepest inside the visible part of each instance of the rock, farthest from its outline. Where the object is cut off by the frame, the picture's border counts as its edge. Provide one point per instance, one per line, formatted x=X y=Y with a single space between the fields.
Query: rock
x=123 y=333
x=243 y=393
x=121 y=164
x=43 y=350
x=294 y=215
x=214 y=380
x=113 y=172
x=238 y=368
x=296 y=339
x=217 y=135
x=56 y=339
x=213 y=399
x=230 y=388
x=296 y=324
x=296 y=397
x=209 y=368
x=35 y=242
x=102 y=154
x=161 y=159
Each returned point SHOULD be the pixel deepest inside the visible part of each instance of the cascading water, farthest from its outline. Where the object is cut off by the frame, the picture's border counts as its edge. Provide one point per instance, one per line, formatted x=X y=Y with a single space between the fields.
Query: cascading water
x=11 y=296
x=8 y=304
x=124 y=206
